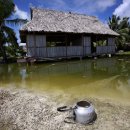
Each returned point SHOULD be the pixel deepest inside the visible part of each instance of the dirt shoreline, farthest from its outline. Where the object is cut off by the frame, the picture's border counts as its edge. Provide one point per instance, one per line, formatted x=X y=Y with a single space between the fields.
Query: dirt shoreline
x=25 y=110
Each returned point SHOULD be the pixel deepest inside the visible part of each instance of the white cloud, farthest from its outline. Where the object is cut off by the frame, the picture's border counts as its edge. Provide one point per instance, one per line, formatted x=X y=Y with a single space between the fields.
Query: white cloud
x=82 y=6
x=104 y=4
x=56 y=4
x=20 y=13
x=123 y=9
x=94 y=5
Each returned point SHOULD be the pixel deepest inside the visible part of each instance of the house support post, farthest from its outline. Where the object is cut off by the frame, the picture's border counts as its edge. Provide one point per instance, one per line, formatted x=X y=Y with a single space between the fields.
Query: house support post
x=66 y=44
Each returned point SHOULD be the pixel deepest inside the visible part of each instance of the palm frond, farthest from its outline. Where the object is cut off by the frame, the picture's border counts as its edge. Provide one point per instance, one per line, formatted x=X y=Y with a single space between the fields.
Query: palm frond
x=122 y=27
x=16 y=21
x=123 y=30
x=10 y=35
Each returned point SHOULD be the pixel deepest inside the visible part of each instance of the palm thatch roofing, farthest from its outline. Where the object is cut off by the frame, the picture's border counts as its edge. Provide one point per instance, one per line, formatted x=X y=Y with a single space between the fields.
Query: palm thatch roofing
x=44 y=20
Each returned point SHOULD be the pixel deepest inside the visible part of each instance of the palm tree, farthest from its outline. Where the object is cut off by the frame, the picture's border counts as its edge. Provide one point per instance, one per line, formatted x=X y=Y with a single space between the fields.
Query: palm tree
x=122 y=27
x=7 y=35
x=114 y=22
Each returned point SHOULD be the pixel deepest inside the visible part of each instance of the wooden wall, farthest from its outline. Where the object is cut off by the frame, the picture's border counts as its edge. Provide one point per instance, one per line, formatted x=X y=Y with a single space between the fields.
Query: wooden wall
x=36 y=46
x=86 y=45
x=111 y=41
x=109 y=49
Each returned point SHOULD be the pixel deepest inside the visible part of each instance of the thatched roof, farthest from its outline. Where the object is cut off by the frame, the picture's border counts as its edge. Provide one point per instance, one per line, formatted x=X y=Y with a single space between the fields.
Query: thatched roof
x=44 y=20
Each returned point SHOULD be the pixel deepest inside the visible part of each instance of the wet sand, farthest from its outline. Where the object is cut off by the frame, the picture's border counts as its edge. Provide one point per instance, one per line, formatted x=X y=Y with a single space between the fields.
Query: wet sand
x=25 y=110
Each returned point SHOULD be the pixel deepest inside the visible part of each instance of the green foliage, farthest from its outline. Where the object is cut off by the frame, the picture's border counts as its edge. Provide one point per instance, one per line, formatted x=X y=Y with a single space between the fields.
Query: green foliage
x=122 y=27
x=13 y=51
x=100 y=43
x=6 y=9
x=7 y=35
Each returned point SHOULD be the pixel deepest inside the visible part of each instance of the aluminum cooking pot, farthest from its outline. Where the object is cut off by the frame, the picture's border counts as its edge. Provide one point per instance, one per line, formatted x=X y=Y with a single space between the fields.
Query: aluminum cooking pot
x=83 y=112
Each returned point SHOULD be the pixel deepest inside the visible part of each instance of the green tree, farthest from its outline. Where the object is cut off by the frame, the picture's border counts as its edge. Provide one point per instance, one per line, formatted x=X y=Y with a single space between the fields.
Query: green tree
x=7 y=35
x=122 y=27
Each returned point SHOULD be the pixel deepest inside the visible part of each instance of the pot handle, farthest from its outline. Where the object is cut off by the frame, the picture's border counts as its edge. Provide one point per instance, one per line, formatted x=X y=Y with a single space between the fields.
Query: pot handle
x=64 y=109
x=70 y=120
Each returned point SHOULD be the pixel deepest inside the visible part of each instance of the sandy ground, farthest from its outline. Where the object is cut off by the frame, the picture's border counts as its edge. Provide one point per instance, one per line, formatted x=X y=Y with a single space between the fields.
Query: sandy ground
x=25 y=110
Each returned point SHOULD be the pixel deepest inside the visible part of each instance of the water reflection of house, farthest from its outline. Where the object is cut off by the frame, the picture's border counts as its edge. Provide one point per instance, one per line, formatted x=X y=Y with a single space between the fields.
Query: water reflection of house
x=106 y=66
x=54 y=34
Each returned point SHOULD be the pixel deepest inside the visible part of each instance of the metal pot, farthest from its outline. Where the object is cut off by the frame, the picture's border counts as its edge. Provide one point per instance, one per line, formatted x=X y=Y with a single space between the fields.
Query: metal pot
x=84 y=112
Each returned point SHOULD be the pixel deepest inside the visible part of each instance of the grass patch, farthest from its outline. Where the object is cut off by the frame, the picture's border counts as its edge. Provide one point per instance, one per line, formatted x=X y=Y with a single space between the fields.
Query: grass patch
x=121 y=53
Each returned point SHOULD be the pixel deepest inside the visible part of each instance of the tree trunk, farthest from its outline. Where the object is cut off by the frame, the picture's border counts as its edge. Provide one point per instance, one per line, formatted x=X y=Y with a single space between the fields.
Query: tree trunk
x=2 y=48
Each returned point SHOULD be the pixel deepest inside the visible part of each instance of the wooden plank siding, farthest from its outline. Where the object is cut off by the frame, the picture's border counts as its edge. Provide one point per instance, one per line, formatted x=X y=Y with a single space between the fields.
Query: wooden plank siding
x=86 y=46
x=30 y=45
x=105 y=50
x=56 y=51
x=111 y=45
x=36 y=47
x=61 y=51
x=75 y=51
x=109 y=49
x=111 y=41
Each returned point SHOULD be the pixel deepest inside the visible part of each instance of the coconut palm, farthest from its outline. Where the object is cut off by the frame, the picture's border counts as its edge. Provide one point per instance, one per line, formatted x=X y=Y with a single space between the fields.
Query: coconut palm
x=114 y=22
x=122 y=27
x=7 y=35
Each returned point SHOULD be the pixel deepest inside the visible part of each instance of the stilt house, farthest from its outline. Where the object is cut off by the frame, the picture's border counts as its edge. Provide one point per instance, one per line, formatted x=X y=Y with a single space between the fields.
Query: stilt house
x=57 y=34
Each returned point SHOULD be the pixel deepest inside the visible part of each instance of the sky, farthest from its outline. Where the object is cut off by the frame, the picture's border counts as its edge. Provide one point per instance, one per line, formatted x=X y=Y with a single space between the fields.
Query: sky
x=103 y=9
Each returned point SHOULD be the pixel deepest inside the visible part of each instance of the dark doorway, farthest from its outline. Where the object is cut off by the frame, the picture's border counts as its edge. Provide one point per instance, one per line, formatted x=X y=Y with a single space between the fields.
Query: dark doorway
x=93 y=44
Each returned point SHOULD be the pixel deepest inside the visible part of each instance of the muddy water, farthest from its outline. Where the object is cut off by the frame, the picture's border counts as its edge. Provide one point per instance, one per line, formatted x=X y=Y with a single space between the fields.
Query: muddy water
x=107 y=78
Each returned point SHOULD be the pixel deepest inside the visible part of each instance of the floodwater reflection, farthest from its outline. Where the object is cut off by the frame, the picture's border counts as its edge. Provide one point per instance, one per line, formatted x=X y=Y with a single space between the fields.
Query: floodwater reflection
x=104 y=78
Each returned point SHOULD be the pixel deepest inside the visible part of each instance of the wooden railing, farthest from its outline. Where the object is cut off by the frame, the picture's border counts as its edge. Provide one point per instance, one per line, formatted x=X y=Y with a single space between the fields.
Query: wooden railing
x=105 y=49
x=52 y=52
x=69 y=51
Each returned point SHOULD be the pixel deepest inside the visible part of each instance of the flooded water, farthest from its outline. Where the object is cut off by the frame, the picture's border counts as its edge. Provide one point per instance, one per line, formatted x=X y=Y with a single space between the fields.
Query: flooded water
x=107 y=78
